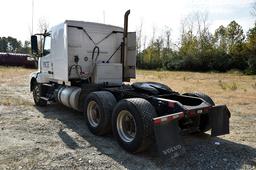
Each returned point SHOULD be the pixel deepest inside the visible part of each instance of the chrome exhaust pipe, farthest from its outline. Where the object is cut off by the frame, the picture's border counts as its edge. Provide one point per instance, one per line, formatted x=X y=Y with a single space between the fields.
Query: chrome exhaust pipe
x=124 y=44
x=126 y=15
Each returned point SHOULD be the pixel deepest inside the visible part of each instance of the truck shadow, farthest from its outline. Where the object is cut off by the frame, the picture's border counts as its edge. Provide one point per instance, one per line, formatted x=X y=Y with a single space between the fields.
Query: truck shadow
x=202 y=151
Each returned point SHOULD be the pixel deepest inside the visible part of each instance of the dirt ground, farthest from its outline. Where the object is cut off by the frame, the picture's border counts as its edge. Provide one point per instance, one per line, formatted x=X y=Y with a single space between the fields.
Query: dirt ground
x=55 y=137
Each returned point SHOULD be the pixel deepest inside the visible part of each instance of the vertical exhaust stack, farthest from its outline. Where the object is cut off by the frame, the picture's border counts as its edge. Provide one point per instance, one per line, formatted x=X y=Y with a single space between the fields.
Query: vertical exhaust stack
x=126 y=15
x=124 y=45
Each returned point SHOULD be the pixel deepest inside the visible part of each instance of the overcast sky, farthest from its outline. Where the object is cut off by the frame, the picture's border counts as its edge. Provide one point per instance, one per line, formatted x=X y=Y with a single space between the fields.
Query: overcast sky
x=16 y=15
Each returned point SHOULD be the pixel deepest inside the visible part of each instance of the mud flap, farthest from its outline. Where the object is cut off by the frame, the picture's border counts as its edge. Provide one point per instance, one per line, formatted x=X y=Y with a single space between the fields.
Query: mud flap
x=168 y=139
x=219 y=120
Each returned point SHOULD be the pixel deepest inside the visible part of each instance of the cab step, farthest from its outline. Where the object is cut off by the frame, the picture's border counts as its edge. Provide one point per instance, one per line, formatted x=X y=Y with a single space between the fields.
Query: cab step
x=44 y=98
x=49 y=85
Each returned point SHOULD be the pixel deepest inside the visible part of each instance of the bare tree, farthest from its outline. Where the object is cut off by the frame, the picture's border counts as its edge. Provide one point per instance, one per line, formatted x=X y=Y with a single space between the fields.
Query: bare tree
x=153 y=34
x=43 y=25
x=139 y=37
x=195 y=35
x=187 y=28
x=167 y=36
x=144 y=42
x=187 y=24
x=203 y=33
x=196 y=22
x=201 y=19
x=253 y=12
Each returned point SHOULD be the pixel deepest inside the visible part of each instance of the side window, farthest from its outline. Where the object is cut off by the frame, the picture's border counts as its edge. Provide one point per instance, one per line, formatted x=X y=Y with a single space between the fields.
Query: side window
x=47 y=45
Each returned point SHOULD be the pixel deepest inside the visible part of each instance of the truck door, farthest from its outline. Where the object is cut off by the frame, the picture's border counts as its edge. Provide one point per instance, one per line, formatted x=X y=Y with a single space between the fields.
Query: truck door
x=46 y=60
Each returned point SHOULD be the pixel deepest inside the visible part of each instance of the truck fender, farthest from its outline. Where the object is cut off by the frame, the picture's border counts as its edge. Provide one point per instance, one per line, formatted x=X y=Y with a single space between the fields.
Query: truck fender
x=38 y=77
x=32 y=78
x=42 y=77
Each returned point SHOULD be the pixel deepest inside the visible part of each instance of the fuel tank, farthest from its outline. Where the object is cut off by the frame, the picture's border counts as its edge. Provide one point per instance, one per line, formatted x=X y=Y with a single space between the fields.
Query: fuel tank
x=69 y=96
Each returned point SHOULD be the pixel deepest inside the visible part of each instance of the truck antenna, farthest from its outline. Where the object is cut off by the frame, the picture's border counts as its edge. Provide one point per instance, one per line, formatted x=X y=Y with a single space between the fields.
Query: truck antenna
x=104 y=15
x=32 y=17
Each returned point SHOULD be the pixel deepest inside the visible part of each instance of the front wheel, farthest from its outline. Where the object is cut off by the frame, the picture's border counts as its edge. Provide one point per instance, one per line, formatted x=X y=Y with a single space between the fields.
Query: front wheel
x=132 y=124
x=37 y=94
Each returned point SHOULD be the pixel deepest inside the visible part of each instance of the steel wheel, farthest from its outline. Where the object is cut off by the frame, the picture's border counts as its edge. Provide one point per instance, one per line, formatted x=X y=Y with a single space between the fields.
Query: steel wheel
x=126 y=126
x=36 y=94
x=98 y=107
x=93 y=113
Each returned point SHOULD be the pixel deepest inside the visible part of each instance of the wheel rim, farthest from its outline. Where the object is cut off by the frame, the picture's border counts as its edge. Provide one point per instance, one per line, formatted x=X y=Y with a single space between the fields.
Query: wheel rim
x=126 y=126
x=93 y=113
x=36 y=93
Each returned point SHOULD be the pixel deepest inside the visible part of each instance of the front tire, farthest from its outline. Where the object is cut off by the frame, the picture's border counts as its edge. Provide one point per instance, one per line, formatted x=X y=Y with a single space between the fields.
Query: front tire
x=98 y=110
x=132 y=124
x=37 y=94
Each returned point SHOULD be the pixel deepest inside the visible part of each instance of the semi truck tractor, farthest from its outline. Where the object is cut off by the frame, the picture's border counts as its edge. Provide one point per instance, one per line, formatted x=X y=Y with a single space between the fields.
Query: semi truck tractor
x=88 y=66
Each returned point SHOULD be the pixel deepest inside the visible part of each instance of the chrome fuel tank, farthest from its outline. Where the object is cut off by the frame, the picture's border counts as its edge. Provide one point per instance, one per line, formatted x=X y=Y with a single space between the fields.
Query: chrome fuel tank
x=69 y=96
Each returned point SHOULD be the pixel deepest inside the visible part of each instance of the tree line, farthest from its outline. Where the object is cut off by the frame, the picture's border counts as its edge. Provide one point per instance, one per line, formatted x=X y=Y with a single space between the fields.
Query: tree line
x=229 y=47
x=12 y=45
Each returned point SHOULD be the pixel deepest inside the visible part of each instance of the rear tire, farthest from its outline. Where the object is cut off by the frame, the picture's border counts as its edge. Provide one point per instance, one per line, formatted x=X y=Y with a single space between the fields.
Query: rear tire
x=203 y=96
x=204 y=124
x=141 y=114
x=98 y=110
x=37 y=93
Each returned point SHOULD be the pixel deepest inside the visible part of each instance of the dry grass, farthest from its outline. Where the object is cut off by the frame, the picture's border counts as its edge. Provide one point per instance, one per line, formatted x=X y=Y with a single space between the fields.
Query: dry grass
x=14 y=86
x=14 y=101
x=14 y=75
x=233 y=89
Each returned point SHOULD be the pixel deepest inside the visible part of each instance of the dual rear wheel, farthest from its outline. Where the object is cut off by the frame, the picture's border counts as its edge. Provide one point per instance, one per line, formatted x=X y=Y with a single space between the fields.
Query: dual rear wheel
x=97 y=111
x=129 y=119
